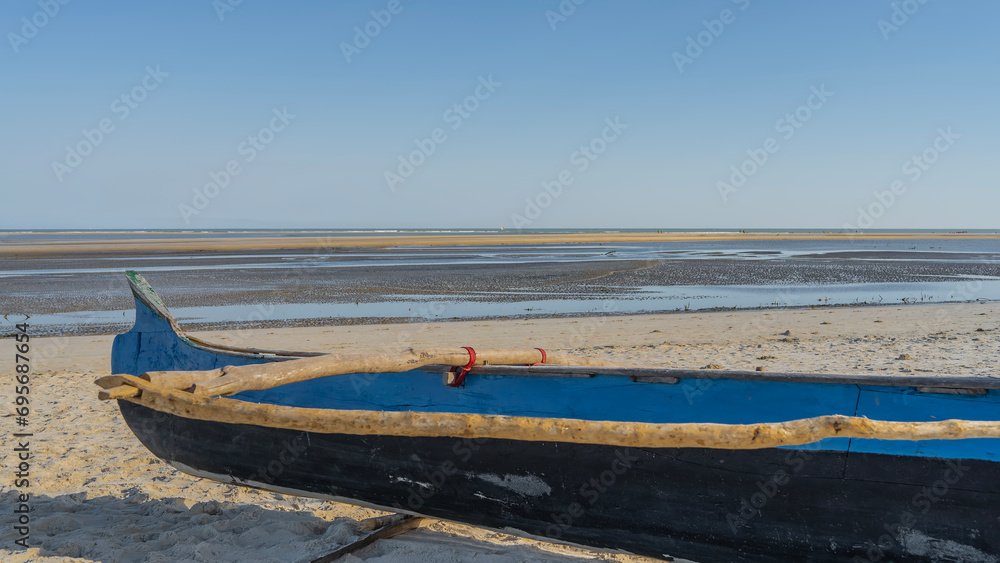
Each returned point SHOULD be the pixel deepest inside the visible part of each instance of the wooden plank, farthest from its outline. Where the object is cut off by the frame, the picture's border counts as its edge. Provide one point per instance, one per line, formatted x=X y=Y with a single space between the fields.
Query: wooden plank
x=653 y=379
x=256 y=377
x=390 y=526
x=110 y=381
x=952 y=391
x=540 y=429
x=936 y=381
x=120 y=392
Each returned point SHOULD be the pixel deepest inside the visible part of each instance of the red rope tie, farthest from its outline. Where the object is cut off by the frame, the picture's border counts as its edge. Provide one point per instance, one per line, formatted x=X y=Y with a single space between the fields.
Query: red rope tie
x=543 y=357
x=460 y=378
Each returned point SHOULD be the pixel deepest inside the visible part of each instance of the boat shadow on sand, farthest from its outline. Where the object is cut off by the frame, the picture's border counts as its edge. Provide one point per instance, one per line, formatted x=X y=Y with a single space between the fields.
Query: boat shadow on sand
x=136 y=527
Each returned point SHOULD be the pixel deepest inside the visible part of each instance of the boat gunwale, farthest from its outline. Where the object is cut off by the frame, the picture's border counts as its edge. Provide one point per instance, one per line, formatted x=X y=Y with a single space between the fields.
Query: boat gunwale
x=759 y=435
x=672 y=375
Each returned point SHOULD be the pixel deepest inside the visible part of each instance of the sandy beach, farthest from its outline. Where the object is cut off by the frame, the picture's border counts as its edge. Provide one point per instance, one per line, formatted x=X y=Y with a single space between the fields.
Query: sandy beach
x=98 y=495
x=213 y=244
x=614 y=207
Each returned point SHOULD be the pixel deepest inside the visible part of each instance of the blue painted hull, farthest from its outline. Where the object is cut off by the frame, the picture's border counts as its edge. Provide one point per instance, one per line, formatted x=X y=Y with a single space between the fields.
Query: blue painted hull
x=834 y=499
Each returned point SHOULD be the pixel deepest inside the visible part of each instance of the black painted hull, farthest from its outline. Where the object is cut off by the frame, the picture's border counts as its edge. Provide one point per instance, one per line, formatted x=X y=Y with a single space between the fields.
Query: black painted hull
x=702 y=504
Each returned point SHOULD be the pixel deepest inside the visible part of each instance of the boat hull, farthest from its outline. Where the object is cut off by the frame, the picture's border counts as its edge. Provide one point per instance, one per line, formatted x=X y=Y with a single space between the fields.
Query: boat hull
x=702 y=504
x=838 y=499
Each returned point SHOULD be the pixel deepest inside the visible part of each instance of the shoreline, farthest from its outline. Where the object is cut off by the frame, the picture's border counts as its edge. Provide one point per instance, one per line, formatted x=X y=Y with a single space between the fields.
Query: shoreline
x=216 y=244
x=83 y=292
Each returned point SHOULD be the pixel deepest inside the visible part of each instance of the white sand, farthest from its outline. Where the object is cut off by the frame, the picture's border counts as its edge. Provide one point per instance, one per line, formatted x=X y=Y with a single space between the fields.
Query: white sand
x=98 y=495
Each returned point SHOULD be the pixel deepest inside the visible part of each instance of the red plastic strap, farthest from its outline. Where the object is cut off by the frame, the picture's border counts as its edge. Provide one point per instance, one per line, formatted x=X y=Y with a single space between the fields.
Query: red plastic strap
x=460 y=378
x=543 y=357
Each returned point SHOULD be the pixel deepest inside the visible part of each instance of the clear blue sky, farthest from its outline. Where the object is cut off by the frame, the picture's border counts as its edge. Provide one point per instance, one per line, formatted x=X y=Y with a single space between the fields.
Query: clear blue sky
x=893 y=89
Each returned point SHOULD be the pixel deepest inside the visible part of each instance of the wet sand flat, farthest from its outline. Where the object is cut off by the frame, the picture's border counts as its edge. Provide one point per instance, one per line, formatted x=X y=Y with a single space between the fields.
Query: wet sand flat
x=321 y=287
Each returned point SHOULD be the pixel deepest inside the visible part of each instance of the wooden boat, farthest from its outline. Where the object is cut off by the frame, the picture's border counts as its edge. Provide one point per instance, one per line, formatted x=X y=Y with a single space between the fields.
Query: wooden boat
x=705 y=465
